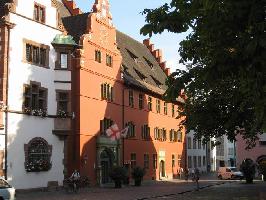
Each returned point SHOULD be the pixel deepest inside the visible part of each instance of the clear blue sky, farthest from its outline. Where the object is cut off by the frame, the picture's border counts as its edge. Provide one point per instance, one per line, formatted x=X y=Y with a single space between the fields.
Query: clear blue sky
x=127 y=18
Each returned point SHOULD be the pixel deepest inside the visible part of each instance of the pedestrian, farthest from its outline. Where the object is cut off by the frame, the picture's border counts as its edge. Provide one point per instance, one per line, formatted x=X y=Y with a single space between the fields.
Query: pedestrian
x=186 y=174
x=181 y=172
x=193 y=175
x=196 y=177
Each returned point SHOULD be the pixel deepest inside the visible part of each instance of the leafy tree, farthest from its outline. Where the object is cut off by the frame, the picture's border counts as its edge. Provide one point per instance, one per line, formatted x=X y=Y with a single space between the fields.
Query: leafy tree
x=225 y=55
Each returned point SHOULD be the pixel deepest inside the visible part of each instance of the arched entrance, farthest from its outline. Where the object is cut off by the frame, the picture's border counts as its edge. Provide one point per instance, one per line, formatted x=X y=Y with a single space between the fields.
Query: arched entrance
x=106 y=160
x=162 y=169
x=261 y=159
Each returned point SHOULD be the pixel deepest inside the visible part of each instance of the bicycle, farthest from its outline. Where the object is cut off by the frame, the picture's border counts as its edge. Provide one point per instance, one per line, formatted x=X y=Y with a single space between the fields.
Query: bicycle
x=71 y=185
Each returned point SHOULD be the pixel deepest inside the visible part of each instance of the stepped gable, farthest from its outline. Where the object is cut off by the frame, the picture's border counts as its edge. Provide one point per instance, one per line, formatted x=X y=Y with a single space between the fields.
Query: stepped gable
x=71 y=6
x=140 y=67
x=62 y=9
x=76 y=25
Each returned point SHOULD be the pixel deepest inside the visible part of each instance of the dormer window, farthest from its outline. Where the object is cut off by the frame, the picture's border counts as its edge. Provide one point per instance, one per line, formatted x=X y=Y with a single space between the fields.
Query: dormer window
x=148 y=62
x=158 y=83
x=142 y=76
x=39 y=13
x=132 y=55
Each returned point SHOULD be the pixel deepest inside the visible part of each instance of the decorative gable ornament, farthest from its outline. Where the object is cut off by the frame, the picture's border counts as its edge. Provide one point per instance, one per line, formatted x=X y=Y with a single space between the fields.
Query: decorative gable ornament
x=102 y=10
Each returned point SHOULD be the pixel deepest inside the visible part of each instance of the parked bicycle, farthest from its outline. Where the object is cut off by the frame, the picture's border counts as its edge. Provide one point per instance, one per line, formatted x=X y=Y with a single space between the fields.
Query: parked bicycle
x=71 y=185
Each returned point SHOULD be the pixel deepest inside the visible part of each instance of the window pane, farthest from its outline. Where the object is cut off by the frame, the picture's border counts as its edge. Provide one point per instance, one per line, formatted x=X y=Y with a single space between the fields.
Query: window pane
x=28 y=52
x=63 y=60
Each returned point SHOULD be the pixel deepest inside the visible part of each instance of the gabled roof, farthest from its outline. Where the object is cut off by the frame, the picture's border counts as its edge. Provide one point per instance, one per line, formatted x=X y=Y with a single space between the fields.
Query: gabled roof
x=76 y=25
x=140 y=67
x=62 y=10
x=138 y=62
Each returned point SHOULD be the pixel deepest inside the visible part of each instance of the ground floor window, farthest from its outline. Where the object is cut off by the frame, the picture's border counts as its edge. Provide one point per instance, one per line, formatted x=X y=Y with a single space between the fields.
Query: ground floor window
x=38 y=155
x=133 y=159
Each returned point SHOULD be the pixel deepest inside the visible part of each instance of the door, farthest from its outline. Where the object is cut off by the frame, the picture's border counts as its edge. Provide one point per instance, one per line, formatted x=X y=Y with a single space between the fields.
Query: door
x=162 y=168
x=105 y=171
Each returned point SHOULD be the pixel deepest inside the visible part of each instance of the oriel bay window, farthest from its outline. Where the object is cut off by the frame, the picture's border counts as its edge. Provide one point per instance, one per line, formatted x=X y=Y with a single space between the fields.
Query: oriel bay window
x=37 y=54
x=104 y=125
x=106 y=92
x=63 y=100
x=63 y=61
x=35 y=98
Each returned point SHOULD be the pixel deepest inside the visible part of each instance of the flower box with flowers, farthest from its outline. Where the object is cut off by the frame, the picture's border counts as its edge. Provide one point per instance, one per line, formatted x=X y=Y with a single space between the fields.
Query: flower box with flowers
x=27 y=111
x=39 y=112
x=38 y=165
x=62 y=114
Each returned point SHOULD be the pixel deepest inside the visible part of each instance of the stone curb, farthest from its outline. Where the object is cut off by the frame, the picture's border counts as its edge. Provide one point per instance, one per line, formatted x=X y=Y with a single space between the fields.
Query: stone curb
x=183 y=192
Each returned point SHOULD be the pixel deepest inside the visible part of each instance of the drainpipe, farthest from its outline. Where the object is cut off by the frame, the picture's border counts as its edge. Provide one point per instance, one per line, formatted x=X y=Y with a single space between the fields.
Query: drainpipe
x=6 y=103
x=123 y=125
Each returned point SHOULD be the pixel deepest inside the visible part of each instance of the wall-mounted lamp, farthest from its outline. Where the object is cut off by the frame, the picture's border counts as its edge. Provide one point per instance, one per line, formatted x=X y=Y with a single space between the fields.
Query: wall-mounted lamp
x=85 y=159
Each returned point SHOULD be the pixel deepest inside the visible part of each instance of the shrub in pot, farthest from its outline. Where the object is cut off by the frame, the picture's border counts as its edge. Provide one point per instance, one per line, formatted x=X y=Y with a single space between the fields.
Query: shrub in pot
x=248 y=168
x=137 y=175
x=118 y=174
x=262 y=170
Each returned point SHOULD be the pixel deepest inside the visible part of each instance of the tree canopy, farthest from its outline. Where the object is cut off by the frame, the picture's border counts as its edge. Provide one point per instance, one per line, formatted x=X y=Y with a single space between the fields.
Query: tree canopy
x=225 y=55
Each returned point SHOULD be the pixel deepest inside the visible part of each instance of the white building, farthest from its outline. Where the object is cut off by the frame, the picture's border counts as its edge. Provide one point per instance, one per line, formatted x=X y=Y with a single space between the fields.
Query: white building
x=196 y=153
x=225 y=153
x=35 y=87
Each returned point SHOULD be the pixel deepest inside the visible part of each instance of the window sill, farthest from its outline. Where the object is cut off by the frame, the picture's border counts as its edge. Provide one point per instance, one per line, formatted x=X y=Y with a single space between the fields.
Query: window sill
x=37 y=65
x=62 y=69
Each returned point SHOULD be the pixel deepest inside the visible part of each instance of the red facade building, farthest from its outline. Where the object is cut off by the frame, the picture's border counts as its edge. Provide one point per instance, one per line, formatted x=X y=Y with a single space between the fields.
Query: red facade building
x=116 y=79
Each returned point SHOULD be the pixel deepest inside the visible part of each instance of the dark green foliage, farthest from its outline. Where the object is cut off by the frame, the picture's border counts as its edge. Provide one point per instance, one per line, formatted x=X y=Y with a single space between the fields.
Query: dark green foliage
x=118 y=174
x=225 y=53
x=248 y=168
x=137 y=175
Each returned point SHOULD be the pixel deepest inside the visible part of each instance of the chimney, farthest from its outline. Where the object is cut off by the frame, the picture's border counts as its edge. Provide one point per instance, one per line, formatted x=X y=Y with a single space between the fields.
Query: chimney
x=167 y=71
x=71 y=6
x=157 y=54
x=163 y=65
x=146 y=42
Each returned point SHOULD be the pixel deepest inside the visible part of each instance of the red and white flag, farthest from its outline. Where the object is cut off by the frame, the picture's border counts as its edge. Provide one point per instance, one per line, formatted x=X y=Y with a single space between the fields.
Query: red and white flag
x=114 y=133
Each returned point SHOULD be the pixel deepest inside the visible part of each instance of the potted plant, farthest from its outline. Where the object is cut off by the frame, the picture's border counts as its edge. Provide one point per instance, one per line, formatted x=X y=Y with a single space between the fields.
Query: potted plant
x=248 y=168
x=262 y=169
x=118 y=174
x=137 y=175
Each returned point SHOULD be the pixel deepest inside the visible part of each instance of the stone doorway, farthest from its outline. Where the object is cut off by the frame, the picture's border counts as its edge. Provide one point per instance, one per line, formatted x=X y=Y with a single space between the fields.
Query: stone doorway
x=107 y=158
x=162 y=169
